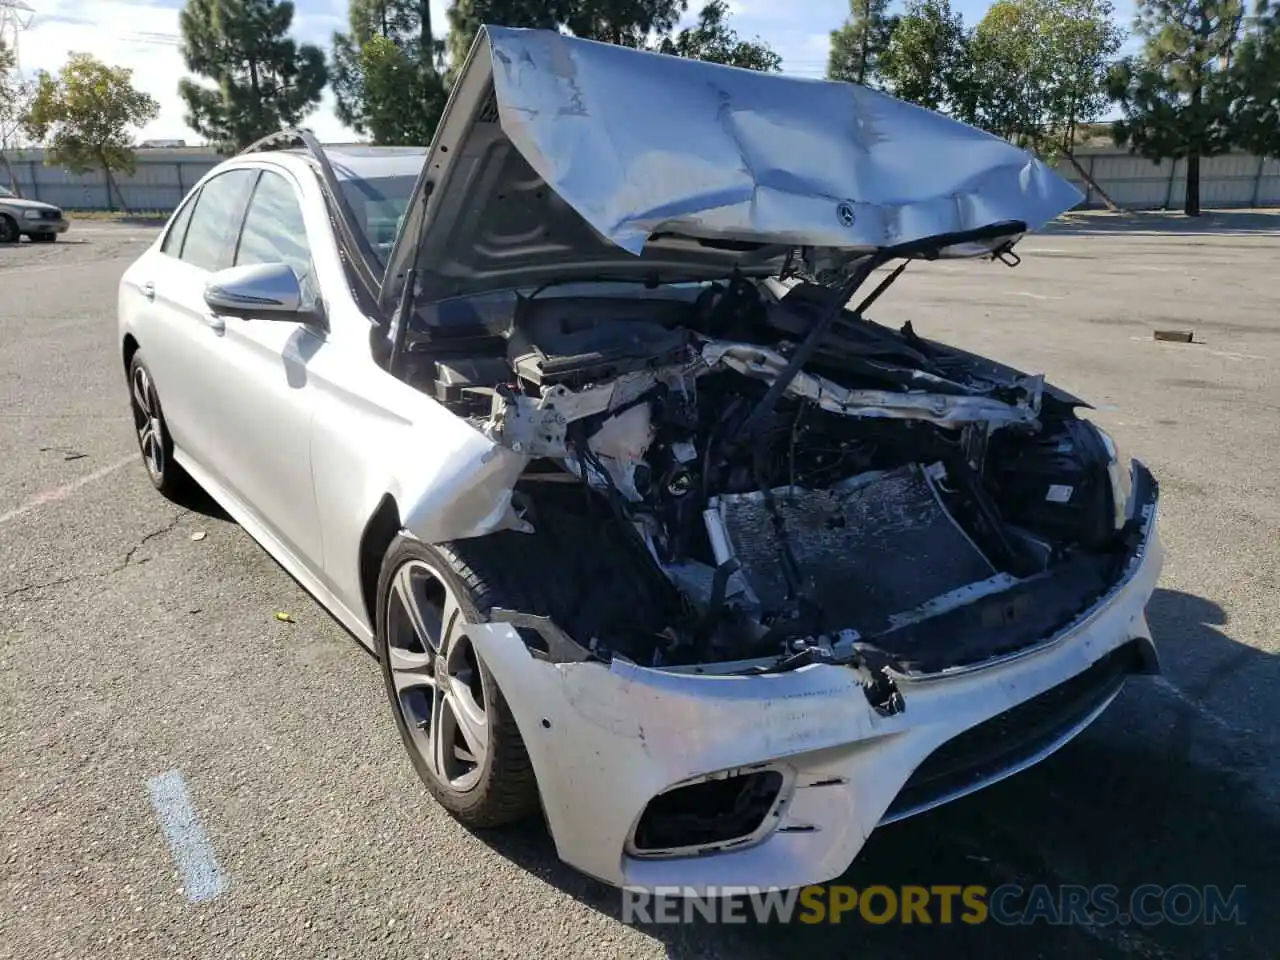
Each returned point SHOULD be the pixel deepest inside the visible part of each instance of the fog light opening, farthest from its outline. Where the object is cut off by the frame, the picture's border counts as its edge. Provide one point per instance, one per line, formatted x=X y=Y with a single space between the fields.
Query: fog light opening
x=724 y=811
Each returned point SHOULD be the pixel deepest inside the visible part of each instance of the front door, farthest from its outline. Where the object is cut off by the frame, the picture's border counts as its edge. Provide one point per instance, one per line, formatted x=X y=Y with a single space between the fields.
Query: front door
x=261 y=432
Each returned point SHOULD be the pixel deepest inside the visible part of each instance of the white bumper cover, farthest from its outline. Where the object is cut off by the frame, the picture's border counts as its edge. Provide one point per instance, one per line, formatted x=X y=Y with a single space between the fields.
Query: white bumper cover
x=604 y=740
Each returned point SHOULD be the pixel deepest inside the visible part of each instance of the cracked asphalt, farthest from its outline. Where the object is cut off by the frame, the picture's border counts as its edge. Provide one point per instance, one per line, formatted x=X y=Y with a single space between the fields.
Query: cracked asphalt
x=130 y=649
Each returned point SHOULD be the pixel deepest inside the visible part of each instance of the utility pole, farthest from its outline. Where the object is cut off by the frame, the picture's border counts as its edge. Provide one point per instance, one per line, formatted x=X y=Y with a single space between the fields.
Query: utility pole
x=15 y=18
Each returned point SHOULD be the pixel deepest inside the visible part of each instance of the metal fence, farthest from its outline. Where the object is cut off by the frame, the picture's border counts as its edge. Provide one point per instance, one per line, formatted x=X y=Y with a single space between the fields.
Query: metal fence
x=163 y=178
x=159 y=183
x=1134 y=183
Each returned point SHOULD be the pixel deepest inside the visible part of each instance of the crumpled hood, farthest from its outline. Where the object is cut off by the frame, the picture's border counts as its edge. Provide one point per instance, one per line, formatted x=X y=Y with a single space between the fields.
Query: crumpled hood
x=649 y=157
x=640 y=143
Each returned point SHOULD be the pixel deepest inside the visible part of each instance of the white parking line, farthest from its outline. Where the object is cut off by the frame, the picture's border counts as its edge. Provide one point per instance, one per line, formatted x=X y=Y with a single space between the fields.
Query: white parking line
x=61 y=493
x=202 y=879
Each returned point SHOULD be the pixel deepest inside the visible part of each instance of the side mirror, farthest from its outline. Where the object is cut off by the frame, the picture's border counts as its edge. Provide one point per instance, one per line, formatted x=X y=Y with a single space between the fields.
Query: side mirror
x=265 y=291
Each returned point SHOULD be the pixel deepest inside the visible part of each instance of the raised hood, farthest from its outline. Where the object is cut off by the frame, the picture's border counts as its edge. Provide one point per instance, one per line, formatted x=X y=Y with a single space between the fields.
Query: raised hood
x=560 y=158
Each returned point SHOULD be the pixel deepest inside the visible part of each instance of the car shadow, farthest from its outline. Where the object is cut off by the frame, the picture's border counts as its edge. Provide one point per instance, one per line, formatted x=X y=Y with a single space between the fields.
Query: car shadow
x=197 y=500
x=1166 y=222
x=1123 y=804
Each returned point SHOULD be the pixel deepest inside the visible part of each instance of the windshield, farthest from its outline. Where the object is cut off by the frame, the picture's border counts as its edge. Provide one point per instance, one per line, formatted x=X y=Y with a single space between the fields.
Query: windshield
x=6 y=192
x=378 y=205
x=377 y=182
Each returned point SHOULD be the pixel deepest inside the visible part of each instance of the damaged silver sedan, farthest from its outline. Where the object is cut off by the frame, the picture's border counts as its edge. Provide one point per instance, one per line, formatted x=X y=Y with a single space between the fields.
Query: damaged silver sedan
x=579 y=420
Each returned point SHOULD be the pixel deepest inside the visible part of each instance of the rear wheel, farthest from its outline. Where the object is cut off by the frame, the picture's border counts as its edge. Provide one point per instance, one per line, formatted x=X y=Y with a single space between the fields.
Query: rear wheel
x=452 y=717
x=8 y=229
x=153 y=433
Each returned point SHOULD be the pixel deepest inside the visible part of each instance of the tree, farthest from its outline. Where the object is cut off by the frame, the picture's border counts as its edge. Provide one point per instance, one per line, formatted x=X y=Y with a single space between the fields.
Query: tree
x=1175 y=95
x=711 y=38
x=83 y=117
x=386 y=71
x=628 y=23
x=1039 y=68
x=262 y=79
x=927 y=60
x=1085 y=40
x=1255 y=86
x=858 y=45
x=1012 y=70
x=466 y=17
x=631 y=23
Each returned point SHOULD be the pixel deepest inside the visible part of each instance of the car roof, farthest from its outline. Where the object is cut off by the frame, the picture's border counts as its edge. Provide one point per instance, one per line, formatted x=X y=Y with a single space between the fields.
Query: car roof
x=349 y=161
x=367 y=163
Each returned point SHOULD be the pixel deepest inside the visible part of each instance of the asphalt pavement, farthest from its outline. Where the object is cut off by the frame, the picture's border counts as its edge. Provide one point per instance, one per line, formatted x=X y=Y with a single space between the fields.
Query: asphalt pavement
x=134 y=649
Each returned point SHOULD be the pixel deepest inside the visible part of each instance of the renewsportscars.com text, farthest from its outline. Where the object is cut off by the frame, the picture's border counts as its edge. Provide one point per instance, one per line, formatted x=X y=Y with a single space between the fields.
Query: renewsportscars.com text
x=1009 y=905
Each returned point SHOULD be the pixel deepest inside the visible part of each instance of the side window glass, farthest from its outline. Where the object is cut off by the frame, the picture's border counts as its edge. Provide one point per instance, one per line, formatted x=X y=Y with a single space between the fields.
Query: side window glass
x=172 y=244
x=273 y=228
x=216 y=220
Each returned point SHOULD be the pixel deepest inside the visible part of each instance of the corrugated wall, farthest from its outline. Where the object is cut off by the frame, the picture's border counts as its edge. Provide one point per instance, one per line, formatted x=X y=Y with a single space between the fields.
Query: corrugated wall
x=161 y=179
x=1233 y=180
x=164 y=176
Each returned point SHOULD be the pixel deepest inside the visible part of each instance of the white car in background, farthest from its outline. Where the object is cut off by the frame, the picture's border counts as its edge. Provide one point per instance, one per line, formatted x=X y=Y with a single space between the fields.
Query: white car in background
x=648 y=524
x=39 y=222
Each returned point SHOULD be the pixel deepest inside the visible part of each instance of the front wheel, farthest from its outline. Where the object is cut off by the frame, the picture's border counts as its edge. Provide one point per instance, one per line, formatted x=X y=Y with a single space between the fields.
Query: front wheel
x=452 y=718
x=8 y=229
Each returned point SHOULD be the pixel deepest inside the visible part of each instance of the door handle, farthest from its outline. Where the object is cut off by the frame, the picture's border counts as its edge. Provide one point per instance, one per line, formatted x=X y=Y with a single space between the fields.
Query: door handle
x=149 y=290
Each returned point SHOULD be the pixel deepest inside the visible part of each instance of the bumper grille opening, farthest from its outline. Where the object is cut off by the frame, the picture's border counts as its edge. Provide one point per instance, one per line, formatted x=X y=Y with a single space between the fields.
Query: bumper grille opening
x=711 y=814
x=1017 y=737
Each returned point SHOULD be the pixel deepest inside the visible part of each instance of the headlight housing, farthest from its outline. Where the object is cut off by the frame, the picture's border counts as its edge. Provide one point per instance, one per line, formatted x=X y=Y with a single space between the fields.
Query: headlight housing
x=1120 y=471
x=31 y=215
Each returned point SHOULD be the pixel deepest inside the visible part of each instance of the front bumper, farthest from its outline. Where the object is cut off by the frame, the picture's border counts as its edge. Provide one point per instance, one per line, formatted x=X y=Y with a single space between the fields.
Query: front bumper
x=605 y=740
x=45 y=227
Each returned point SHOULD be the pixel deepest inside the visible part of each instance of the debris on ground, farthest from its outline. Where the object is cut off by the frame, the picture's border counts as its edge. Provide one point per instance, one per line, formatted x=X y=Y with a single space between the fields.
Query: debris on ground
x=198 y=535
x=1175 y=336
x=285 y=617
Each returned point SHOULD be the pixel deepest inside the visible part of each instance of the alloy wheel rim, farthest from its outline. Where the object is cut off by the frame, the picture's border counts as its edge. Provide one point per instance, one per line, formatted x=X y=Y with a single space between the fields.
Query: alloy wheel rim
x=441 y=692
x=147 y=422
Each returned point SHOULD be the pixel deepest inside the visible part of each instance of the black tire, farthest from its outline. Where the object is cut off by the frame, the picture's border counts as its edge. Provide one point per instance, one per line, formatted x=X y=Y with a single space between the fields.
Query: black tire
x=164 y=473
x=505 y=789
x=8 y=229
x=42 y=237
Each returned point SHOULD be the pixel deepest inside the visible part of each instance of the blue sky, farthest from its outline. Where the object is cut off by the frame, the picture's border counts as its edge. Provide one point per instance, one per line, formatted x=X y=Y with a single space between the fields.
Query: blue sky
x=143 y=35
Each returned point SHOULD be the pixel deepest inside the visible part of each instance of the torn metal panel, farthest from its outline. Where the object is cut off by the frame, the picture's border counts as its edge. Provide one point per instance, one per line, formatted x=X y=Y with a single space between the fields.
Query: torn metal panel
x=944 y=409
x=471 y=498
x=538 y=426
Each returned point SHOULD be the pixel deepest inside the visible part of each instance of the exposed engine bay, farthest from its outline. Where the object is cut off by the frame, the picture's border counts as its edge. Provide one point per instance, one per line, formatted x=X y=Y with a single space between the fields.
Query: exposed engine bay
x=727 y=478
